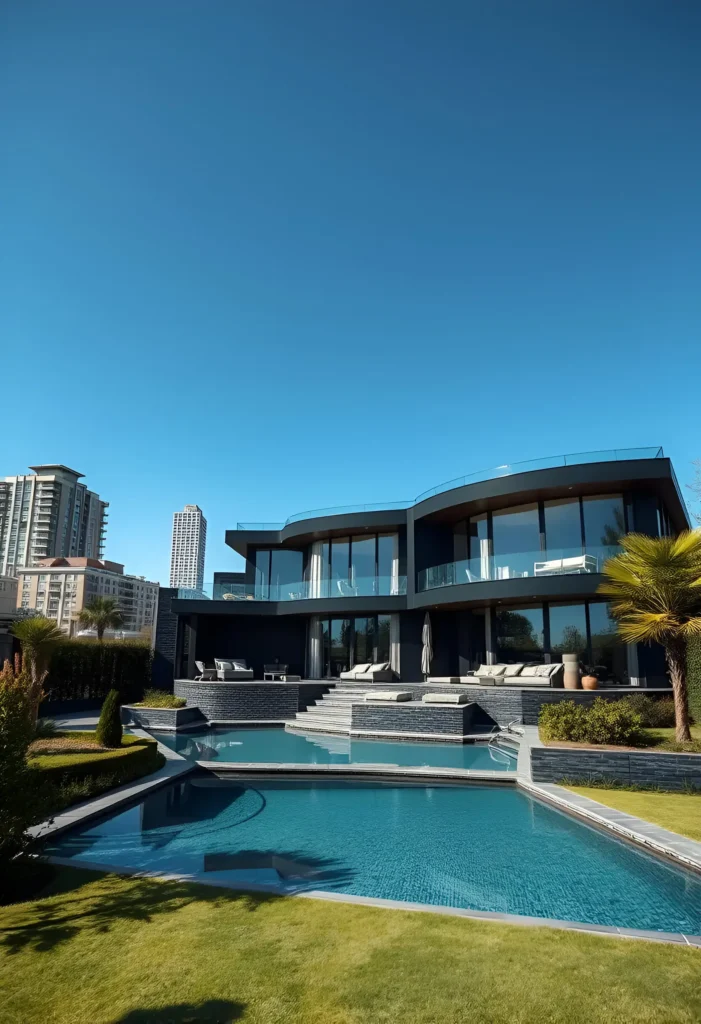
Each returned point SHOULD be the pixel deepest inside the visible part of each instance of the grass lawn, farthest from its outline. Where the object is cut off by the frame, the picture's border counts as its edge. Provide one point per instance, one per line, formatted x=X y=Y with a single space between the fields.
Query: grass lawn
x=663 y=739
x=679 y=812
x=105 y=949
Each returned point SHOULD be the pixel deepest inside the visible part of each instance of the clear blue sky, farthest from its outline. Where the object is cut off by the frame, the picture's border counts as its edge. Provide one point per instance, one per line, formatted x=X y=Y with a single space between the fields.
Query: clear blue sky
x=270 y=255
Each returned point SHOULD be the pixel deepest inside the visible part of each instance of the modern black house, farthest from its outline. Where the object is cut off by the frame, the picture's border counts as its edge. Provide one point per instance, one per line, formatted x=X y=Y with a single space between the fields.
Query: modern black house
x=506 y=563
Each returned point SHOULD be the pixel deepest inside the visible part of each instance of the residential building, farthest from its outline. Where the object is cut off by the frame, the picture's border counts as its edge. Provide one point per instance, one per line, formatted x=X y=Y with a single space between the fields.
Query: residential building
x=8 y=595
x=188 y=549
x=507 y=565
x=60 y=588
x=48 y=513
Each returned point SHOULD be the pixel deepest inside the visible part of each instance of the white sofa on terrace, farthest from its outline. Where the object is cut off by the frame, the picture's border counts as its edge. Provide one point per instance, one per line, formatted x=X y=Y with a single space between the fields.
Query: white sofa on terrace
x=518 y=674
x=563 y=566
x=369 y=673
x=232 y=670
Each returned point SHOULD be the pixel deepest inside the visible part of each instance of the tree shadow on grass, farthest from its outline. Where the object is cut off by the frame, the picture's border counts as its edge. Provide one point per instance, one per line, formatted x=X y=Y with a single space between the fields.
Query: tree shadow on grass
x=86 y=900
x=214 y=1011
x=107 y=899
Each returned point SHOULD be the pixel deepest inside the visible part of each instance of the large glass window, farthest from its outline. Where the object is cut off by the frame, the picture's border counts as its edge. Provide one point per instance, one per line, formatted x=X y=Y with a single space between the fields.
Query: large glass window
x=516 y=541
x=363 y=565
x=262 y=575
x=478 y=550
x=563 y=528
x=608 y=653
x=568 y=630
x=519 y=634
x=604 y=525
x=340 y=646
x=354 y=641
x=387 y=549
x=285 y=573
x=383 y=649
x=340 y=550
x=364 y=640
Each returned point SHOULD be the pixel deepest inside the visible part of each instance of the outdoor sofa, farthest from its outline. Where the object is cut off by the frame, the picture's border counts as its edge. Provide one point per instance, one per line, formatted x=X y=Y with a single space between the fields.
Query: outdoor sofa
x=368 y=673
x=518 y=674
x=232 y=670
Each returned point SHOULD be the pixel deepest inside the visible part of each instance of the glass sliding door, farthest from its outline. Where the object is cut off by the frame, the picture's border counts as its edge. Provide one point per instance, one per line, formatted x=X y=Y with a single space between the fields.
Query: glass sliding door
x=519 y=634
x=340 y=568
x=286 y=570
x=604 y=525
x=608 y=653
x=360 y=640
x=478 y=553
x=568 y=630
x=363 y=640
x=382 y=650
x=262 y=576
x=363 y=565
x=339 y=646
x=387 y=563
x=515 y=541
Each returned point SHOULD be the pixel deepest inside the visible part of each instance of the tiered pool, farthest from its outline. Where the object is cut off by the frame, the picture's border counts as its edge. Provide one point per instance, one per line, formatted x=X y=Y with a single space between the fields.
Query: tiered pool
x=266 y=745
x=480 y=847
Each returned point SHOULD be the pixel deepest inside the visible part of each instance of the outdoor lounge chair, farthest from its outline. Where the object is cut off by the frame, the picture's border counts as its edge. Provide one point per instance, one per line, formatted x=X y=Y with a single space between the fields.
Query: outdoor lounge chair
x=205 y=674
x=563 y=566
x=232 y=670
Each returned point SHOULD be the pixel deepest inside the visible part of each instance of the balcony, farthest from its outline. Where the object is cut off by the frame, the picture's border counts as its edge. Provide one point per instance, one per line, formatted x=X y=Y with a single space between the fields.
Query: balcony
x=533 y=564
x=306 y=590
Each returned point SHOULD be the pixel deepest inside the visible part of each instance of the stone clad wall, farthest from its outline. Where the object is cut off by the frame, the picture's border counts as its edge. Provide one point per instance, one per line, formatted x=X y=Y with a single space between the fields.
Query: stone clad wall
x=228 y=702
x=668 y=771
x=452 y=721
x=162 y=718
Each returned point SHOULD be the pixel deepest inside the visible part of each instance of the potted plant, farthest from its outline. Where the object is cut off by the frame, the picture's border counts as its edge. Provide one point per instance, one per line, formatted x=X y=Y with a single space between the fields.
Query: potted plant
x=590 y=678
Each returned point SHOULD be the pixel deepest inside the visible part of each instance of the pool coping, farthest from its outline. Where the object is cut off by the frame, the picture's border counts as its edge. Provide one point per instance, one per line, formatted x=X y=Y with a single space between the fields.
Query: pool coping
x=351 y=770
x=489 y=916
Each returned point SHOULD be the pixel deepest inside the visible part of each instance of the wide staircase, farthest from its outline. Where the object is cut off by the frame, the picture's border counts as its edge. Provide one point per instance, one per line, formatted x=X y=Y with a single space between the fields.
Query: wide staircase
x=332 y=712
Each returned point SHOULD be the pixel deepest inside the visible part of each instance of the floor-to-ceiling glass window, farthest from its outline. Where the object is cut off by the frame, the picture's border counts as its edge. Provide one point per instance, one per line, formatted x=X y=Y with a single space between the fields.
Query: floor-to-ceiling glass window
x=479 y=566
x=262 y=575
x=608 y=653
x=519 y=634
x=340 y=567
x=604 y=525
x=515 y=541
x=363 y=640
x=387 y=563
x=563 y=529
x=568 y=630
x=363 y=552
x=286 y=570
x=340 y=646
x=382 y=652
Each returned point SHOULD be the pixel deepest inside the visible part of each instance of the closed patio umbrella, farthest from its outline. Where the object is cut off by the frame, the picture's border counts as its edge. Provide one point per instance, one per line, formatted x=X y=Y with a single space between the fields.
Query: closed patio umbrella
x=427 y=649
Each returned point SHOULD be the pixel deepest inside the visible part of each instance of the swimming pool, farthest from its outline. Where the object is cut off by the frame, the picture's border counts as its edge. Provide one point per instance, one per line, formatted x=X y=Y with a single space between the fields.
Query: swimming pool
x=258 y=745
x=477 y=847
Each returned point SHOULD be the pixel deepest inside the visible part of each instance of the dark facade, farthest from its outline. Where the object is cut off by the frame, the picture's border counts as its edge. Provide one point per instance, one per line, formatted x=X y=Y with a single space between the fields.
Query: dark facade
x=507 y=568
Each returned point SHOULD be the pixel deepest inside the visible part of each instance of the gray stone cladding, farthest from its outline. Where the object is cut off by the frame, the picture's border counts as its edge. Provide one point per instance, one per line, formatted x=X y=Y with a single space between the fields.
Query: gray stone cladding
x=452 y=721
x=506 y=704
x=161 y=718
x=668 y=771
x=233 y=701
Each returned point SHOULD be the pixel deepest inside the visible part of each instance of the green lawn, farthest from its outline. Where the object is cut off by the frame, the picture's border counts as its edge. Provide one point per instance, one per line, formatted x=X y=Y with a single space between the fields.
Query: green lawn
x=105 y=949
x=663 y=739
x=679 y=812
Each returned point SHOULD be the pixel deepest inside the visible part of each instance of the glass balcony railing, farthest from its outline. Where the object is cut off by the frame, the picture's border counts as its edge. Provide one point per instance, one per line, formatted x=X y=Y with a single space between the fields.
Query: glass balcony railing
x=552 y=462
x=533 y=564
x=305 y=590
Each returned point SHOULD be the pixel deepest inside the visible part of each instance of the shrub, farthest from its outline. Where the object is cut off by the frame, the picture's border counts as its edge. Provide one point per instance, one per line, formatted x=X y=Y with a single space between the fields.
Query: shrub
x=20 y=801
x=655 y=714
x=137 y=756
x=612 y=722
x=44 y=729
x=563 y=721
x=109 y=729
x=88 y=670
x=161 y=699
x=603 y=722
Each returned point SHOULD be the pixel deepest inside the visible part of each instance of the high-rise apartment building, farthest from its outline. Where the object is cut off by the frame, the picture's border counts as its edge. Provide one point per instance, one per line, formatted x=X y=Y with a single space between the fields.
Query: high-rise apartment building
x=187 y=552
x=60 y=588
x=47 y=514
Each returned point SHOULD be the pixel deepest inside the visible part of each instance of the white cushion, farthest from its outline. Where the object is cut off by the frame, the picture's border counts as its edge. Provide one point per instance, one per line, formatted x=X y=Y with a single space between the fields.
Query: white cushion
x=223 y=665
x=491 y=670
x=380 y=666
x=361 y=668
x=389 y=695
x=445 y=698
x=542 y=671
x=513 y=670
x=239 y=665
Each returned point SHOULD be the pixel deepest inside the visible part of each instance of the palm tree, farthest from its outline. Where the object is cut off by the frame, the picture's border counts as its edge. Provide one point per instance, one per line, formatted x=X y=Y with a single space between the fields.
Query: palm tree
x=39 y=638
x=102 y=613
x=655 y=586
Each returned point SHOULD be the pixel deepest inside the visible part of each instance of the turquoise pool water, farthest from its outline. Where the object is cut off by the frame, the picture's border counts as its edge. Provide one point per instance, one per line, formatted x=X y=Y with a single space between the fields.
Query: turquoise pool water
x=275 y=744
x=479 y=847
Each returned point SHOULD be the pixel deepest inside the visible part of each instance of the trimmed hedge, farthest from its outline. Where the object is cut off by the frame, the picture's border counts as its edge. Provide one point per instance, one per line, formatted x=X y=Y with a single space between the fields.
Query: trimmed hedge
x=609 y=722
x=693 y=677
x=88 y=670
x=136 y=756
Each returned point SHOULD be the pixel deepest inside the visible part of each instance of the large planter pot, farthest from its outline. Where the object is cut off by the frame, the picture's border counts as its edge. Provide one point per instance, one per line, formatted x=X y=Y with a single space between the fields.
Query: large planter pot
x=590 y=683
x=571 y=672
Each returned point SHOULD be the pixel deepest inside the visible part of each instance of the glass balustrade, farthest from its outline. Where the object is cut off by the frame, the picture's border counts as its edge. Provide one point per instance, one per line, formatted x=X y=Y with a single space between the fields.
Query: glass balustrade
x=553 y=562
x=305 y=590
